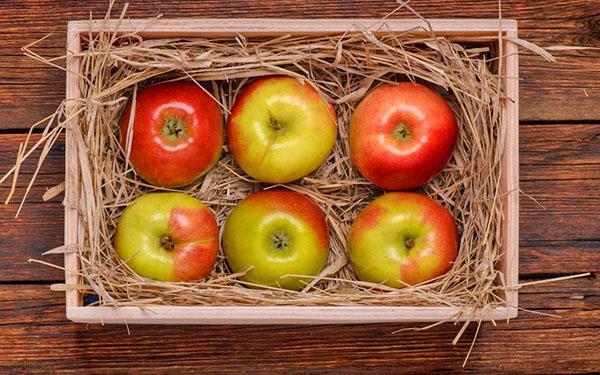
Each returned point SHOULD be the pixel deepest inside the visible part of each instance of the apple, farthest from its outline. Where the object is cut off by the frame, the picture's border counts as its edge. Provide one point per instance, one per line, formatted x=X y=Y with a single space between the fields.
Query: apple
x=168 y=237
x=402 y=238
x=177 y=133
x=402 y=135
x=273 y=233
x=281 y=129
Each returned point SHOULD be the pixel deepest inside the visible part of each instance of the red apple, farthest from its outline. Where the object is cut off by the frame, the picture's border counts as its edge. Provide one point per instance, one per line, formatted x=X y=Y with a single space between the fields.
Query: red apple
x=177 y=133
x=281 y=129
x=168 y=237
x=402 y=238
x=274 y=233
x=402 y=135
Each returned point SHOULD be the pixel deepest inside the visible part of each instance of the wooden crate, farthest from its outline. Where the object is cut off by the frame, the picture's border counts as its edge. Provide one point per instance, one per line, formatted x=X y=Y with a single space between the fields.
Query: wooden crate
x=291 y=314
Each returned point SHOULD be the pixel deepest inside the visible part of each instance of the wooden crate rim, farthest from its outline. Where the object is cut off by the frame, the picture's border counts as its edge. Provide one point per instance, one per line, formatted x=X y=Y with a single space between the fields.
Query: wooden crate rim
x=308 y=26
x=154 y=28
x=279 y=314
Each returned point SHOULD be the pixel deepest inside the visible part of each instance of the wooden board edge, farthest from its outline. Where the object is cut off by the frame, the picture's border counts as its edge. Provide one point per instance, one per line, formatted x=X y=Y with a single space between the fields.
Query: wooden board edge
x=511 y=162
x=72 y=220
x=264 y=26
x=278 y=315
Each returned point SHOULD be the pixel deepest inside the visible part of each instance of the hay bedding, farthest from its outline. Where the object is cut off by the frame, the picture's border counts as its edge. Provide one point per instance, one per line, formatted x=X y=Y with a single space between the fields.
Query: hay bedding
x=343 y=67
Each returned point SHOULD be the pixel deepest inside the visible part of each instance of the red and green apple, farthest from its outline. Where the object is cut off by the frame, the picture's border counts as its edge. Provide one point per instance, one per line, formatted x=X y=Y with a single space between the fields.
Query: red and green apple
x=274 y=233
x=281 y=129
x=402 y=135
x=176 y=135
x=402 y=238
x=168 y=237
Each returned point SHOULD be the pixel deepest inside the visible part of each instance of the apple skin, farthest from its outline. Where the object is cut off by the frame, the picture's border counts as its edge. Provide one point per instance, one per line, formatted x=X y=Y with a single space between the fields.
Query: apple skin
x=177 y=133
x=402 y=237
x=281 y=129
x=168 y=237
x=267 y=218
x=402 y=135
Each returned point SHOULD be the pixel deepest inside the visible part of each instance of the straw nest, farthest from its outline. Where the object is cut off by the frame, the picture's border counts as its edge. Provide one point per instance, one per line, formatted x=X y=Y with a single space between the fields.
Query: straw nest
x=343 y=67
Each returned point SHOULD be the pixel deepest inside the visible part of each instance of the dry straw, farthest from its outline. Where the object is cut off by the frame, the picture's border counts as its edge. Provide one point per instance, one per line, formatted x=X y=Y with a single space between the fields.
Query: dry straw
x=343 y=67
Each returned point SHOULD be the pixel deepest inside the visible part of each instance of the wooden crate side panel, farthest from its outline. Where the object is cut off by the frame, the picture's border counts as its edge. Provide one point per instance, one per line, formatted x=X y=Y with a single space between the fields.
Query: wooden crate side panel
x=510 y=172
x=72 y=224
x=274 y=315
x=265 y=27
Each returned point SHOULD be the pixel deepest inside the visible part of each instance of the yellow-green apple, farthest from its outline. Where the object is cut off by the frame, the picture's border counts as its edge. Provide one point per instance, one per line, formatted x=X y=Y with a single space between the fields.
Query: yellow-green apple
x=280 y=129
x=176 y=135
x=402 y=135
x=168 y=237
x=274 y=233
x=402 y=238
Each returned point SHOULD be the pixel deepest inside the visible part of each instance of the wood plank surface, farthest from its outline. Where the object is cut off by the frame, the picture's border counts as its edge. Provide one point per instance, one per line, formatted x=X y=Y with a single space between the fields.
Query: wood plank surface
x=566 y=90
x=34 y=337
x=559 y=234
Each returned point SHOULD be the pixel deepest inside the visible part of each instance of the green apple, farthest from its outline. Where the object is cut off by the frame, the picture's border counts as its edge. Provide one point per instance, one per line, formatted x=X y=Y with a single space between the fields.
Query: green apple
x=281 y=129
x=168 y=237
x=402 y=238
x=274 y=233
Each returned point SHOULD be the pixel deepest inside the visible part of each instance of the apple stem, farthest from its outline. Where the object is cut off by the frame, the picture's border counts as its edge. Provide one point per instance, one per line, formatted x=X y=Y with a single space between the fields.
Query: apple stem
x=274 y=123
x=167 y=243
x=409 y=243
x=402 y=132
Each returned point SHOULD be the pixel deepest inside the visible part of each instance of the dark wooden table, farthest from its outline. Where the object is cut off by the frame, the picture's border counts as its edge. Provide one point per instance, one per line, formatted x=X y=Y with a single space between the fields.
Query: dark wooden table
x=560 y=167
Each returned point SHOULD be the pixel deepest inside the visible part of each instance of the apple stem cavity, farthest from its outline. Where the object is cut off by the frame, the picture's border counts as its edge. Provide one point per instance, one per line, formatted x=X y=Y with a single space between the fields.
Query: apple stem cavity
x=402 y=132
x=409 y=243
x=280 y=240
x=174 y=128
x=274 y=123
x=167 y=243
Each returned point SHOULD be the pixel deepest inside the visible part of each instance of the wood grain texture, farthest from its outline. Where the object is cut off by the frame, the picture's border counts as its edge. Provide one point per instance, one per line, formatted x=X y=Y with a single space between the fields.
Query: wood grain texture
x=39 y=227
x=560 y=164
x=566 y=90
x=560 y=152
x=34 y=337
